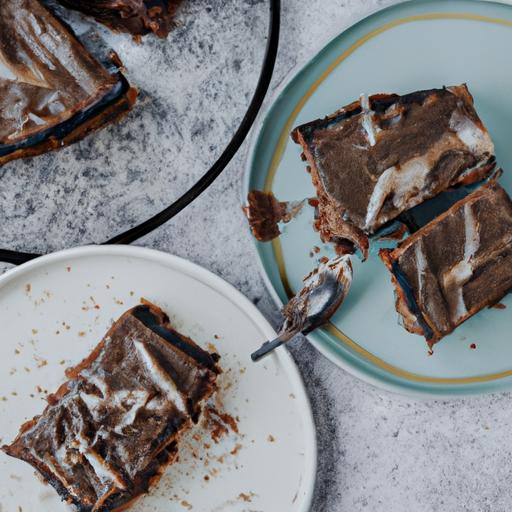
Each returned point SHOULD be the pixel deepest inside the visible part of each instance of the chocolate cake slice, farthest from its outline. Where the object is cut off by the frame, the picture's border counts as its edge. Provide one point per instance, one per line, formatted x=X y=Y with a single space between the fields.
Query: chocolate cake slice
x=380 y=156
x=110 y=430
x=52 y=90
x=137 y=17
x=455 y=265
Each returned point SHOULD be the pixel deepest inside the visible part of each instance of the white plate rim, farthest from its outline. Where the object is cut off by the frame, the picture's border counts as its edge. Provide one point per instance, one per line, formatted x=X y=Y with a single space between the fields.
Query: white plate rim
x=229 y=292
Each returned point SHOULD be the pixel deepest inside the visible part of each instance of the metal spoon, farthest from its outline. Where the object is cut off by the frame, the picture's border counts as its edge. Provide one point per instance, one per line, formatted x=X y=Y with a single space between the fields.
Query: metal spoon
x=323 y=292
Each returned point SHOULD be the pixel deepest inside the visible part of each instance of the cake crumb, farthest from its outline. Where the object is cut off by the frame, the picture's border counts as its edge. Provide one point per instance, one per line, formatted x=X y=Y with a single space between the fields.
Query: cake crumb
x=236 y=449
x=206 y=477
x=216 y=336
x=211 y=347
x=271 y=438
x=246 y=497
x=132 y=293
x=81 y=334
x=186 y=504
x=16 y=351
x=40 y=361
x=472 y=346
x=34 y=331
x=68 y=269
x=28 y=287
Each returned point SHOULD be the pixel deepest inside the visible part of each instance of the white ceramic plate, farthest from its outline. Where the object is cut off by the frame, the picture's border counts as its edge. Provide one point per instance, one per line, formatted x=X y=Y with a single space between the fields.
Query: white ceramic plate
x=55 y=309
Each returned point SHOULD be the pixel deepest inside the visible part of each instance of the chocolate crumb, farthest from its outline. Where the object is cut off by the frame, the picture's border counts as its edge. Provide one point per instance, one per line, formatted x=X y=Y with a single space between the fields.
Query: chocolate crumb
x=236 y=449
x=245 y=497
x=472 y=346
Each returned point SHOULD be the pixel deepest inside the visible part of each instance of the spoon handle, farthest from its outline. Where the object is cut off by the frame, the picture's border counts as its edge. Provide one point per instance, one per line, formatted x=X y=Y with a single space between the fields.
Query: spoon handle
x=269 y=346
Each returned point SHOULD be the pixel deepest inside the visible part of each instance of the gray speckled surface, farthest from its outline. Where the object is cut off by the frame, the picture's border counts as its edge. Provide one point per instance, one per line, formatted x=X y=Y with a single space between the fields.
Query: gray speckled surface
x=377 y=451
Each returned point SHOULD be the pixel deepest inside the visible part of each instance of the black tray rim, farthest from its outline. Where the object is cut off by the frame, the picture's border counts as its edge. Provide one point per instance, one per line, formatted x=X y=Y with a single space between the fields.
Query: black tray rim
x=203 y=183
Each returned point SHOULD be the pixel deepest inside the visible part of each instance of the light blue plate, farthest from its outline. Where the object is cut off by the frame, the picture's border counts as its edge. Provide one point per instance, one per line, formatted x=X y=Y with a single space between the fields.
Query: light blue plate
x=411 y=46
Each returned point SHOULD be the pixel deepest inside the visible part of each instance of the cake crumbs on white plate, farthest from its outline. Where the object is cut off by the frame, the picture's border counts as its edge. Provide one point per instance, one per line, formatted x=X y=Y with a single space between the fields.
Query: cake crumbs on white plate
x=40 y=362
x=247 y=497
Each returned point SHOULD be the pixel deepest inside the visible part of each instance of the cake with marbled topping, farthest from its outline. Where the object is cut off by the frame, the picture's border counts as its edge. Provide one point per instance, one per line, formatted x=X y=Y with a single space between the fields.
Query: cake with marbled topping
x=108 y=433
x=384 y=154
x=52 y=90
x=454 y=266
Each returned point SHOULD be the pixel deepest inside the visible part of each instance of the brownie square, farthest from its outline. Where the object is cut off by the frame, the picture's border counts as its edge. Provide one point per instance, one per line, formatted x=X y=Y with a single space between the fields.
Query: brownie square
x=380 y=156
x=455 y=265
x=53 y=92
x=109 y=431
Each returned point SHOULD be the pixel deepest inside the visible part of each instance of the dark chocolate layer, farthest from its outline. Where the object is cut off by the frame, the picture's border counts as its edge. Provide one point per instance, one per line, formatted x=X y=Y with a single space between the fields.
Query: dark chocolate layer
x=100 y=438
x=456 y=265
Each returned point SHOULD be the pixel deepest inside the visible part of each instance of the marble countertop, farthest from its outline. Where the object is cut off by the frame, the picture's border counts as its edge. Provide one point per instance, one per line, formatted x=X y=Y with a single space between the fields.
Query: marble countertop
x=377 y=451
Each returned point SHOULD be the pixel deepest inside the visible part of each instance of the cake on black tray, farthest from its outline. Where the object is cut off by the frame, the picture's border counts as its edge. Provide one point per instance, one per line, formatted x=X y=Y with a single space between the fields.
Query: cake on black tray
x=137 y=17
x=382 y=155
x=53 y=92
x=454 y=266
x=108 y=432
